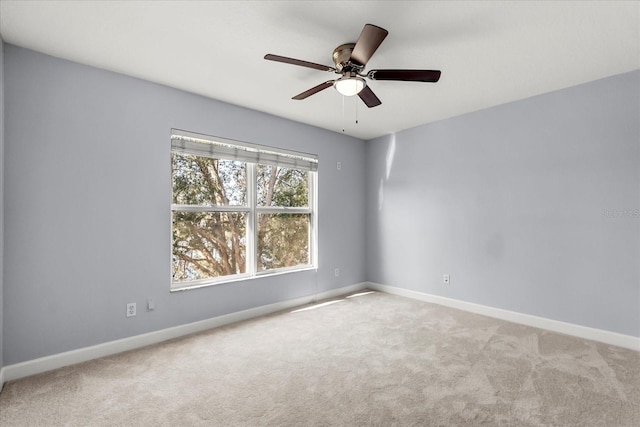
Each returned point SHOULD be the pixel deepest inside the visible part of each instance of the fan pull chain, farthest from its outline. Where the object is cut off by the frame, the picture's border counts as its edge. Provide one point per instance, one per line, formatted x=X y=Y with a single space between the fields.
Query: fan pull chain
x=356 y=111
x=343 y=119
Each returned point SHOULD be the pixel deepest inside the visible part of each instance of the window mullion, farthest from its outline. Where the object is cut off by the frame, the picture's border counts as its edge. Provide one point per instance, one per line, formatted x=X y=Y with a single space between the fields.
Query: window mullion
x=252 y=221
x=313 y=218
x=198 y=208
x=282 y=210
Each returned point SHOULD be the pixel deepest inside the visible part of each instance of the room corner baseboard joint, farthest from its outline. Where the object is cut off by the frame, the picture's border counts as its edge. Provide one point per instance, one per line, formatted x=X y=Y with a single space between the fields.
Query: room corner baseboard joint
x=585 y=332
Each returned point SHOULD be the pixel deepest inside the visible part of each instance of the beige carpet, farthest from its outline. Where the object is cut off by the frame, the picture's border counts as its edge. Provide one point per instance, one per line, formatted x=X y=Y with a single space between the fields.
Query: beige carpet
x=369 y=360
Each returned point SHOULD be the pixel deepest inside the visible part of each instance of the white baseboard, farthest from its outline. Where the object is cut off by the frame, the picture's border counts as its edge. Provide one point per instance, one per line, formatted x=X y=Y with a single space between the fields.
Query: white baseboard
x=43 y=364
x=613 y=338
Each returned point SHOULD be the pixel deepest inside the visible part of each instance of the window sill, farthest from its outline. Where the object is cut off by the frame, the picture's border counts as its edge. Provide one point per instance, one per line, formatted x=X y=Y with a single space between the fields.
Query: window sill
x=205 y=283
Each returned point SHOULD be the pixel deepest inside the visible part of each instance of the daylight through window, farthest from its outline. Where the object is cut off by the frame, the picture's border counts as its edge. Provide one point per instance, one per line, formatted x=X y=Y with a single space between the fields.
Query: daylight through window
x=239 y=210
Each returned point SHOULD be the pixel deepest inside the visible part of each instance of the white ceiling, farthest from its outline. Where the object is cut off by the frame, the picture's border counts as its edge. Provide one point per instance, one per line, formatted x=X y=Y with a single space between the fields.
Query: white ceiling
x=490 y=52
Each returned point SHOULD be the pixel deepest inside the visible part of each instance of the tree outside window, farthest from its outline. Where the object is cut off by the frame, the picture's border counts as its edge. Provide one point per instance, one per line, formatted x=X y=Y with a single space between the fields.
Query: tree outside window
x=233 y=218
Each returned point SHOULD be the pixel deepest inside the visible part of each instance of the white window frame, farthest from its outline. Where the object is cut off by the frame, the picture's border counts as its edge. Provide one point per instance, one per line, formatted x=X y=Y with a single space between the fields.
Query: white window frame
x=186 y=142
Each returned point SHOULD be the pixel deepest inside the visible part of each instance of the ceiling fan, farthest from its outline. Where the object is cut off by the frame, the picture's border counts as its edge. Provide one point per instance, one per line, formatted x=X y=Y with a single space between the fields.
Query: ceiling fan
x=350 y=60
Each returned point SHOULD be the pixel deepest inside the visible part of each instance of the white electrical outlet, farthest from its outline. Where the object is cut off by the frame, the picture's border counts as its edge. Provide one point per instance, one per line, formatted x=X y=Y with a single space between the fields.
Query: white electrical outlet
x=151 y=305
x=339 y=165
x=131 y=309
x=446 y=279
x=337 y=272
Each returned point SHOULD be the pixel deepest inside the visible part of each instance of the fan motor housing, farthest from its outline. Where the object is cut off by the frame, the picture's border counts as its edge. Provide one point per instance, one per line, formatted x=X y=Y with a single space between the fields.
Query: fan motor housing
x=342 y=58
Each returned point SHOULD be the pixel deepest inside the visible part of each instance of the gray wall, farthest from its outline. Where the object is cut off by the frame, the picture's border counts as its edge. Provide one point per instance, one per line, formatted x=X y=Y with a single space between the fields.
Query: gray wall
x=532 y=206
x=87 y=201
x=1 y=194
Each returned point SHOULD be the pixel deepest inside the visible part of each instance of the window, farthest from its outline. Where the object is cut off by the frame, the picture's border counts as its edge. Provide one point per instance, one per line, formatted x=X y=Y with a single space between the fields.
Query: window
x=239 y=210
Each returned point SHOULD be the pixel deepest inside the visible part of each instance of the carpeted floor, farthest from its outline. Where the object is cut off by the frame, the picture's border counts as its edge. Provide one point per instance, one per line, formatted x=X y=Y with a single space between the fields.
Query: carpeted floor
x=372 y=359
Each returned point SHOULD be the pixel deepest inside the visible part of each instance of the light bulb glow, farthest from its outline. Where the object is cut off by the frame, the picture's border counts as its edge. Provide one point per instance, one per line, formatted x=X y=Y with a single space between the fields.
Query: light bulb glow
x=349 y=86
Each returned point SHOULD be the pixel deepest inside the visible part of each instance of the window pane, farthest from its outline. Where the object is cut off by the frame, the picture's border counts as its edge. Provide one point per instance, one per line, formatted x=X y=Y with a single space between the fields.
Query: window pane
x=283 y=240
x=208 y=182
x=207 y=245
x=278 y=186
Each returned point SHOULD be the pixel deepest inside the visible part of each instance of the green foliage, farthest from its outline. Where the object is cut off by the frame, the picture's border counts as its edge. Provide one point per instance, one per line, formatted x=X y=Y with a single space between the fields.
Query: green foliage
x=213 y=244
x=204 y=181
x=283 y=187
x=208 y=245
x=283 y=240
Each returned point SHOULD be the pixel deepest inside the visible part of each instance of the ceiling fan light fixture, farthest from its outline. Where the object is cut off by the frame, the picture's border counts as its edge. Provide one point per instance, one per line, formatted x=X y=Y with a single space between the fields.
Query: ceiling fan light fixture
x=349 y=86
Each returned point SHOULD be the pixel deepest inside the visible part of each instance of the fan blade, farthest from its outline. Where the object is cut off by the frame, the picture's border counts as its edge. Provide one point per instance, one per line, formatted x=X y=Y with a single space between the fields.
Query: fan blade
x=370 y=38
x=431 y=76
x=315 y=89
x=299 y=62
x=368 y=97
